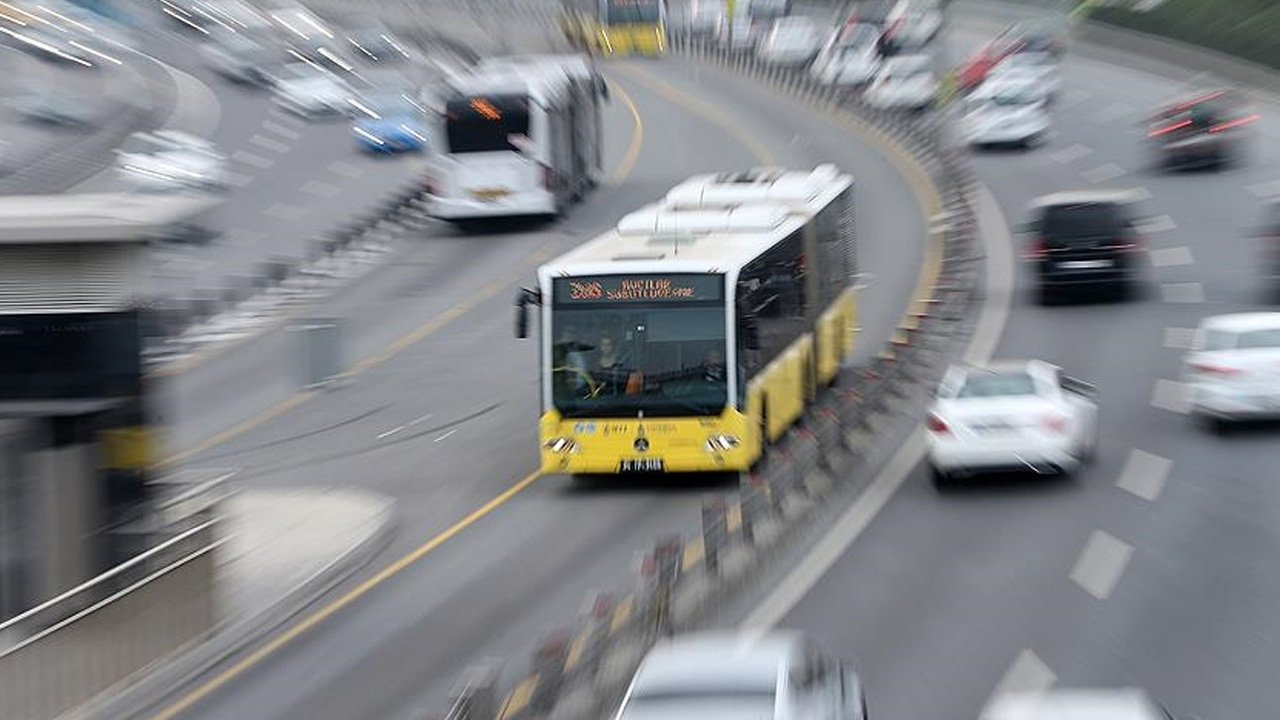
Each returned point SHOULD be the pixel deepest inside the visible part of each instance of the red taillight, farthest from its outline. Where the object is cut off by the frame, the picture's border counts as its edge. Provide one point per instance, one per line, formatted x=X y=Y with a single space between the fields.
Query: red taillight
x=1169 y=128
x=430 y=185
x=936 y=424
x=1037 y=250
x=1055 y=423
x=547 y=177
x=1234 y=123
x=1196 y=101
x=1212 y=369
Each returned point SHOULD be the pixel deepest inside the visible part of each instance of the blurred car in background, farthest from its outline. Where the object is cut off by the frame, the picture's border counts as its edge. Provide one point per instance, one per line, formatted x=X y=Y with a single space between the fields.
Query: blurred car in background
x=1031 y=37
x=1201 y=129
x=765 y=11
x=850 y=57
x=790 y=41
x=1077 y=704
x=1010 y=416
x=906 y=82
x=1007 y=111
x=310 y=91
x=1232 y=372
x=1046 y=35
x=714 y=675
x=916 y=24
x=391 y=122
x=1085 y=240
x=1040 y=68
x=375 y=42
x=51 y=105
x=169 y=160
x=240 y=57
x=705 y=16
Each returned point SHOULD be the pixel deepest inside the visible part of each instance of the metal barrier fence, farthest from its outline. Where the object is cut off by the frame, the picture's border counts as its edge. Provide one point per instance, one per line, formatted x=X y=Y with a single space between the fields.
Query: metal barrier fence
x=73 y=647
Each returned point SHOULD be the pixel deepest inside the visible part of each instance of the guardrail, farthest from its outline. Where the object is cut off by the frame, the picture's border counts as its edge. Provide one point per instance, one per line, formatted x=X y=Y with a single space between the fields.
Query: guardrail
x=66 y=651
x=579 y=673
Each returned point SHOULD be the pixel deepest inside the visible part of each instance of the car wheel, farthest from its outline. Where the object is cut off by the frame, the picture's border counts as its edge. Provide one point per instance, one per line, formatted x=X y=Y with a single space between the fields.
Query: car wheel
x=1046 y=296
x=940 y=478
x=1215 y=424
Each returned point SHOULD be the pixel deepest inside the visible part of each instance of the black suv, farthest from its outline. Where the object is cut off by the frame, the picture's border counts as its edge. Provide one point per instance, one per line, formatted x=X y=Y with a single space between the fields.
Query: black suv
x=1204 y=129
x=1085 y=241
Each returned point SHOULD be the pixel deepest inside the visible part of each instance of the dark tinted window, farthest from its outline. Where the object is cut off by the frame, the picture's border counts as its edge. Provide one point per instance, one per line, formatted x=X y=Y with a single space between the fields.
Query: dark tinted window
x=1082 y=221
x=622 y=12
x=486 y=124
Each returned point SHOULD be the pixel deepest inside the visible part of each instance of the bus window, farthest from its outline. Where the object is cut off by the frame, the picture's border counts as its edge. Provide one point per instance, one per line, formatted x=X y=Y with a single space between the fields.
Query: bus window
x=486 y=124
x=625 y=12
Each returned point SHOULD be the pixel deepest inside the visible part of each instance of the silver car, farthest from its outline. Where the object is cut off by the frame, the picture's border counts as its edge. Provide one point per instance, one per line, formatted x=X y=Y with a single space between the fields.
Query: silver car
x=724 y=676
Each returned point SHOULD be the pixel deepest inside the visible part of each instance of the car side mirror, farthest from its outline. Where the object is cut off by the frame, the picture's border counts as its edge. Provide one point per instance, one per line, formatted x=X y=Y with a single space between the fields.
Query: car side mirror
x=1079 y=387
x=525 y=298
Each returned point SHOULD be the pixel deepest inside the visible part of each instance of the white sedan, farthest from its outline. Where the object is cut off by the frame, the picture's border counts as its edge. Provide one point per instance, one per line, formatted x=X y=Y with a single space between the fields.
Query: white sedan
x=790 y=41
x=169 y=160
x=310 y=91
x=904 y=83
x=720 y=675
x=850 y=57
x=1038 y=67
x=1006 y=111
x=1010 y=416
x=1233 y=369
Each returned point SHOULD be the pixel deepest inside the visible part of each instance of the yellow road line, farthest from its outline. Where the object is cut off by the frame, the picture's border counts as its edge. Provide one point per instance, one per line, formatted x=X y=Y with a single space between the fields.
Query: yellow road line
x=637 y=139
x=519 y=698
x=576 y=650
x=733 y=517
x=622 y=614
x=351 y=596
x=703 y=108
x=694 y=553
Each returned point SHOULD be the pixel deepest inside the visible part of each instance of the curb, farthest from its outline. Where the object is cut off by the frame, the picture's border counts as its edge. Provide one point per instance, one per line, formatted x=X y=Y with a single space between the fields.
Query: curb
x=155 y=685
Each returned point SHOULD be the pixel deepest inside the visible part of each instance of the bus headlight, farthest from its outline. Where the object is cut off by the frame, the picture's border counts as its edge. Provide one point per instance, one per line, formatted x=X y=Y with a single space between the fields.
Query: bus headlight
x=721 y=443
x=561 y=445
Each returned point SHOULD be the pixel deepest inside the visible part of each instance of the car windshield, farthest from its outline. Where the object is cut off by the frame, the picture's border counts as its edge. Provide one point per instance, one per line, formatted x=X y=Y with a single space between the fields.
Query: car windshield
x=1082 y=220
x=615 y=356
x=1005 y=384
x=1268 y=338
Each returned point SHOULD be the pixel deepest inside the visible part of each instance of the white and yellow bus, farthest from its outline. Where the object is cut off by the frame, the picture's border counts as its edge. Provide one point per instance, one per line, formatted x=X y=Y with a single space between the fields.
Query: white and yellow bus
x=616 y=27
x=695 y=332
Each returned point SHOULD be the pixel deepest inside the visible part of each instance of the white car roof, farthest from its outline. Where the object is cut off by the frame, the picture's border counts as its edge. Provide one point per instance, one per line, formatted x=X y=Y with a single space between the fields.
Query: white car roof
x=903 y=64
x=1079 y=197
x=1076 y=704
x=1242 y=322
x=717 y=660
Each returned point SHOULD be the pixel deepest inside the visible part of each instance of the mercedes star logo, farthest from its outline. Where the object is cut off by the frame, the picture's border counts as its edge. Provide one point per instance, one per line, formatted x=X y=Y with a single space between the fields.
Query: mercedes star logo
x=641 y=445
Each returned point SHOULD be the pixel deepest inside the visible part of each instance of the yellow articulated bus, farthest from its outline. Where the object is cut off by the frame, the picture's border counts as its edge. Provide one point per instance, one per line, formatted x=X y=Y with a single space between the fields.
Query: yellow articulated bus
x=616 y=27
x=694 y=333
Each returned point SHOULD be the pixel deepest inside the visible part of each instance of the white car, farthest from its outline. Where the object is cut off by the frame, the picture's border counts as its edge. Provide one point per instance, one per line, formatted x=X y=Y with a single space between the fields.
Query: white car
x=705 y=16
x=310 y=91
x=722 y=676
x=850 y=57
x=170 y=160
x=1233 y=369
x=906 y=82
x=1077 y=704
x=791 y=41
x=1007 y=112
x=237 y=57
x=1038 y=67
x=1010 y=416
x=917 y=26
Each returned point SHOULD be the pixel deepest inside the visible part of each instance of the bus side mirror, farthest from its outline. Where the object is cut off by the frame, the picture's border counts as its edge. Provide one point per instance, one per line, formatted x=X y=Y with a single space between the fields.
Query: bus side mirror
x=750 y=332
x=525 y=298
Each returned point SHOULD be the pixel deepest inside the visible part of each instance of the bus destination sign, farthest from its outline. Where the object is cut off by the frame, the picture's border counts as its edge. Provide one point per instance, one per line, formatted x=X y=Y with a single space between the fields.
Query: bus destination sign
x=639 y=288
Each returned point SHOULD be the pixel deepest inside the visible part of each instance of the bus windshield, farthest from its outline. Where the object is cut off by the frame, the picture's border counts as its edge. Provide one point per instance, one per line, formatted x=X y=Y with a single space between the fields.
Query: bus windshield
x=664 y=357
x=625 y=12
x=486 y=124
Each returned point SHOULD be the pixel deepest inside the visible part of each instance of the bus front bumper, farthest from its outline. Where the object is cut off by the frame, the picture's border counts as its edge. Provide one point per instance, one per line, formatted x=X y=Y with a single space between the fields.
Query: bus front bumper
x=514 y=205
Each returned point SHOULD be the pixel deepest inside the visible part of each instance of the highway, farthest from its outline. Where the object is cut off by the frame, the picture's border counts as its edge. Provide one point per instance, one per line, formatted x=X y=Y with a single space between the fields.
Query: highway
x=1155 y=566
x=445 y=420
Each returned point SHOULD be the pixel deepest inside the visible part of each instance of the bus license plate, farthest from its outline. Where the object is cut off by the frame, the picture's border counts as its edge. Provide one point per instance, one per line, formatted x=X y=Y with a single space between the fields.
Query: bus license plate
x=641 y=465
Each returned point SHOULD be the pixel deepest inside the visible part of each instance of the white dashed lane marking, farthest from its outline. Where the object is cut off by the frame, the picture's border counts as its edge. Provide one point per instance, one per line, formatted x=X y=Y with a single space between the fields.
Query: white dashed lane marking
x=285 y=212
x=320 y=189
x=238 y=180
x=1188 y=292
x=1144 y=474
x=1171 y=257
x=1111 y=113
x=1027 y=674
x=254 y=160
x=1179 y=338
x=1071 y=154
x=271 y=144
x=1170 y=395
x=1160 y=223
x=1103 y=173
x=281 y=130
x=284 y=116
x=1101 y=564
x=346 y=170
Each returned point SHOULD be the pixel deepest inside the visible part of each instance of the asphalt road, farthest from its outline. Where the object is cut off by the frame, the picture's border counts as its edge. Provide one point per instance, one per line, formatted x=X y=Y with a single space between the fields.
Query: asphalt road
x=1155 y=566
x=447 y=424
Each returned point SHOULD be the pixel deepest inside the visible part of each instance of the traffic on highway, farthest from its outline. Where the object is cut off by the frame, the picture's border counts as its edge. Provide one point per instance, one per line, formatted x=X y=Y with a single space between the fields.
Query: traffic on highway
x=868 y=360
